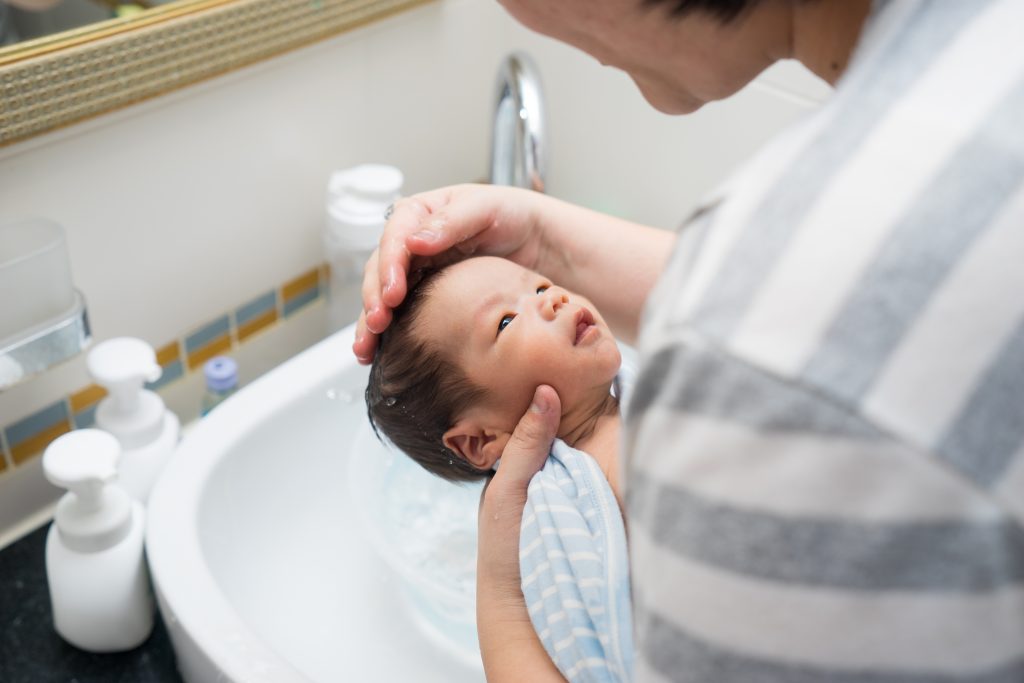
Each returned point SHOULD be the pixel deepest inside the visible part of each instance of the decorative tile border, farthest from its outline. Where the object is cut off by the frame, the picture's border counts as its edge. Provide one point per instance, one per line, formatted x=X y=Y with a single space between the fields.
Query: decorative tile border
x=32 y=434
x=169 y=359
x=300 y=291
x=259 y=313
x=208 y=341
x=83 y=405
x=26 y=438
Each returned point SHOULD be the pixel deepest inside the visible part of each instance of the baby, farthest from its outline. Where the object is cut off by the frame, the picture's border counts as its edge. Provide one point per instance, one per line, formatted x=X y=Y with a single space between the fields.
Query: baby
x=454 y=373
x=459 y=364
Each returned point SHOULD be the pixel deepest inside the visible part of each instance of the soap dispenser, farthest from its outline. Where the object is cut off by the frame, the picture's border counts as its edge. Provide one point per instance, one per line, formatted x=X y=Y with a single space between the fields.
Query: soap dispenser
x=357 y=204
x=148 y=432
x=99 y=584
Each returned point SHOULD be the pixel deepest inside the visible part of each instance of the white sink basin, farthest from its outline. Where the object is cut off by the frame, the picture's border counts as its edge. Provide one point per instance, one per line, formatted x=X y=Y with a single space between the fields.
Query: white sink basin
x=261 y=570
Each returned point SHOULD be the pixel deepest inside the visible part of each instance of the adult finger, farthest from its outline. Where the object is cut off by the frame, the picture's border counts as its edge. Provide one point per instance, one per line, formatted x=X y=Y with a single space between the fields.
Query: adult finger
x=528 y=448
x=394 y=258
x=378 y=316
x=365 y=344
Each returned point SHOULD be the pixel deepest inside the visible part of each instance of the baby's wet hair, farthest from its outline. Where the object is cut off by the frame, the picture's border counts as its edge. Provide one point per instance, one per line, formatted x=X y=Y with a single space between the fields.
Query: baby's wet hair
x=415 y=394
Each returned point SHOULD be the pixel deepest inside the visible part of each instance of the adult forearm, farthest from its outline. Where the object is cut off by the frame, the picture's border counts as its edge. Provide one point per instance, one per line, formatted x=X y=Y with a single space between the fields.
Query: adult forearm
x=613 y=262
x=509 y=645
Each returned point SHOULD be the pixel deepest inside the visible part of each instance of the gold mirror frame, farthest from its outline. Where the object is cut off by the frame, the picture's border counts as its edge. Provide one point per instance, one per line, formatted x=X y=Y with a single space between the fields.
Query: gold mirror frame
x=56 y=81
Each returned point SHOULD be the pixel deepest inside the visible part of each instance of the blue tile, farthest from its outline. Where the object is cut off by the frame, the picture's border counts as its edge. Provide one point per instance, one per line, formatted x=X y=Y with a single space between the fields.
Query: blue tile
x=172 y=371
x=37 y=422
x=218 y=328
x=256 y=307
x=86 y=418
x=297 y=302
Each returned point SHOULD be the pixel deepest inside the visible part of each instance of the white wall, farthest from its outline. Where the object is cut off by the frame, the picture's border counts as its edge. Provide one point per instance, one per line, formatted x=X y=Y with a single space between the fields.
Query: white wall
x=183 y=207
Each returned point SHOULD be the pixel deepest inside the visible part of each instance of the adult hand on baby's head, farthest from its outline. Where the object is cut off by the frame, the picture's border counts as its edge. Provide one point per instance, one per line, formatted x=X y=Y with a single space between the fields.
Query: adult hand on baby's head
x=439 y=227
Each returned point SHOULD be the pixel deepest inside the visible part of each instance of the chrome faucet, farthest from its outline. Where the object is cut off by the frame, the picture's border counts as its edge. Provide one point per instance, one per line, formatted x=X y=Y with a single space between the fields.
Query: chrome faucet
x=519 y=154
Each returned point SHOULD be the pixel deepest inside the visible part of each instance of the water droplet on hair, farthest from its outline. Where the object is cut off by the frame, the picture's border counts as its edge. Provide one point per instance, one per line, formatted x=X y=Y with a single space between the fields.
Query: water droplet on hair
x=451 y=462
x=390 y=401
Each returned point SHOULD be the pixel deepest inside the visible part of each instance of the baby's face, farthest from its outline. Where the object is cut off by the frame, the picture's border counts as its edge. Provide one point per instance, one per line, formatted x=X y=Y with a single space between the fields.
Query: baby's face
x=510 y=330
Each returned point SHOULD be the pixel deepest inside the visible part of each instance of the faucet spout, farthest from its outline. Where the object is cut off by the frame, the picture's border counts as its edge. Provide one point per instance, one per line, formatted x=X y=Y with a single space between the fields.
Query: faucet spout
x=519 y=152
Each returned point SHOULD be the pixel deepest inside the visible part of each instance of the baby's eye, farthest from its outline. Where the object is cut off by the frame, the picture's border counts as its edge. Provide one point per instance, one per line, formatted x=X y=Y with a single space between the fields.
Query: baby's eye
x=542 y=289
x=505 y=320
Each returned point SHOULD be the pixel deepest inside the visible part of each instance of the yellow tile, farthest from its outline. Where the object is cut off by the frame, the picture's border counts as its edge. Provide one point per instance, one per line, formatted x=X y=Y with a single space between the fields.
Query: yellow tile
x=200 y=356
x=39 y=442
x=168 y=354
x=256 y=324
x=300 y=284
x=80 y=400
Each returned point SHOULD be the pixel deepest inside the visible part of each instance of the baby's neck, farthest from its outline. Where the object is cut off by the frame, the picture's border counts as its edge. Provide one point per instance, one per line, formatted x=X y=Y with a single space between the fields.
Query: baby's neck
x=594 y=429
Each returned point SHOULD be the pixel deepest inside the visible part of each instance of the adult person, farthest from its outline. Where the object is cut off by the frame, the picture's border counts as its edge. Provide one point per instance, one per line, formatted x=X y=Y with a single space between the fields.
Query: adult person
x=824 y=450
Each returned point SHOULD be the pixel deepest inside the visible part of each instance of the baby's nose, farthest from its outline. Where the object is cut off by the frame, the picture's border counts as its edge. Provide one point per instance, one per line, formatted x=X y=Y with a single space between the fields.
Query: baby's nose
x=552 y=300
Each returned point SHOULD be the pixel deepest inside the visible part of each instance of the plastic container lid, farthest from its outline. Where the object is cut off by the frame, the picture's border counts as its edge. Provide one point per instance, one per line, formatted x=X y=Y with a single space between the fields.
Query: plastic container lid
x=221 y=373
x=356 y=201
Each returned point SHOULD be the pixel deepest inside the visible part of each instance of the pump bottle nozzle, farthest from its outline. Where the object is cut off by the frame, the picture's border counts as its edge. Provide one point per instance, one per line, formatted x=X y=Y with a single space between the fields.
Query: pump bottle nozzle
x=123 y=365
x=132 y=413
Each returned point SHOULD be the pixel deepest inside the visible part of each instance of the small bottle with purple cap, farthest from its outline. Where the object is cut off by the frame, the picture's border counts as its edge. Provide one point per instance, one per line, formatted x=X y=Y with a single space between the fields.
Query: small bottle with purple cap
x=221 y=374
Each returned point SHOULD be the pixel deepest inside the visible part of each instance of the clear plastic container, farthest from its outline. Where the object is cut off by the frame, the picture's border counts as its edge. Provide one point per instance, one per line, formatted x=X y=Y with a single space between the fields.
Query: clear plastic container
x=35 y=275
x=425 y=528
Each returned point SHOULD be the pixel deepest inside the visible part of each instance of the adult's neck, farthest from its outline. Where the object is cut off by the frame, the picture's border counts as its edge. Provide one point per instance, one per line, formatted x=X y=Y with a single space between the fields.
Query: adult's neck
x=825 y=34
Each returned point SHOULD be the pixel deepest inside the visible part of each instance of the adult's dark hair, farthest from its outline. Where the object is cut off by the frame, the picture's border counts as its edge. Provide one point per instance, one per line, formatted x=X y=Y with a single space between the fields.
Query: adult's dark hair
x=415 y=393
x=723 y=10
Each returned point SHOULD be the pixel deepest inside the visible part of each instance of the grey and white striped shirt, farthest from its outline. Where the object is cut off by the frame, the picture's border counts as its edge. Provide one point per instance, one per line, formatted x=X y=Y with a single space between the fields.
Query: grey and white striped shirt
x=825 y=446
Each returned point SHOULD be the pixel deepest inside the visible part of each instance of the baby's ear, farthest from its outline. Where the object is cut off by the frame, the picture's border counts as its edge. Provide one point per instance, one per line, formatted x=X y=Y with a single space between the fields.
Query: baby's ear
x=479 y=447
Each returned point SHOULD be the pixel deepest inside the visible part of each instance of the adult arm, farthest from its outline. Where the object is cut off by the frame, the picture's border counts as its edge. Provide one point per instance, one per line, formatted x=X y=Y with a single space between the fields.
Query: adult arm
x=509 y=644
x=613 y=262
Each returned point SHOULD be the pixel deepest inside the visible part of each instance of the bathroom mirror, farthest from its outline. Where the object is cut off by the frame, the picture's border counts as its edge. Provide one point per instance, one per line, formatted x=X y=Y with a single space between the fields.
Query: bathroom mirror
x=58 y=79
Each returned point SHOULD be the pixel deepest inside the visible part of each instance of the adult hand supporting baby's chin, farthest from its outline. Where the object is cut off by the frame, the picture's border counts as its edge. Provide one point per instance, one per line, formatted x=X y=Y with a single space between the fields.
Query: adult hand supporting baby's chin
x=508 y=642
x=504 y=497
x=439 y=227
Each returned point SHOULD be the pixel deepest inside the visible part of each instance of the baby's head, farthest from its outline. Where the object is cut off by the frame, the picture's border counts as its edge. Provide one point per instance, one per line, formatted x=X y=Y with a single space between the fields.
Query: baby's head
x=458 y=366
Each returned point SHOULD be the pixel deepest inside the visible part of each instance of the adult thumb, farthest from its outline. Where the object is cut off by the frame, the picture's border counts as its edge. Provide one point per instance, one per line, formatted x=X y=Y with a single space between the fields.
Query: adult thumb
x=528 y=447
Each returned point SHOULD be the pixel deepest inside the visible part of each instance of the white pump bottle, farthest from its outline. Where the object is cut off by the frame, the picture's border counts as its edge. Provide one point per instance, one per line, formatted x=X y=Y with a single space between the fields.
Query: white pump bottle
x=357 y=201
x=99 y=584
x=147 y=431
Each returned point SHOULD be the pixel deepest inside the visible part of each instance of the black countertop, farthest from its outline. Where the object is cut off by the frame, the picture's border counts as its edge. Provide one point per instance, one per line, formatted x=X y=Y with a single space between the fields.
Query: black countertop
x=32 y=652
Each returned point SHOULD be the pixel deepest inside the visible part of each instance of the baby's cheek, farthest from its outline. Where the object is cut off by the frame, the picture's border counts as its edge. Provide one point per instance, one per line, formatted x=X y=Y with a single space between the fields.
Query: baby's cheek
x=554 y=368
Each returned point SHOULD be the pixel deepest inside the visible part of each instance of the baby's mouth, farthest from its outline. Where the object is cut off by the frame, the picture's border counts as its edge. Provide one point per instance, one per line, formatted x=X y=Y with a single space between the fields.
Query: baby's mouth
x=584 y=321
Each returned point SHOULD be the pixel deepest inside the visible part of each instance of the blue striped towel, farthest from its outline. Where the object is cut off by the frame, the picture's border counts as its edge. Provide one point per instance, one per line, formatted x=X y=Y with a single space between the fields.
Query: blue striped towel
x=575 y=571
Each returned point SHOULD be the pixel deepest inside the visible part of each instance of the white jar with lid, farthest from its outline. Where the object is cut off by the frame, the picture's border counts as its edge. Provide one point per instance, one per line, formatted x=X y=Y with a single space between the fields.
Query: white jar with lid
x=357 y=199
